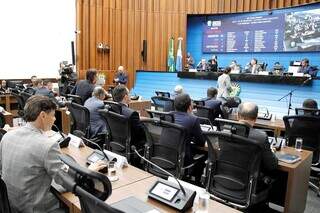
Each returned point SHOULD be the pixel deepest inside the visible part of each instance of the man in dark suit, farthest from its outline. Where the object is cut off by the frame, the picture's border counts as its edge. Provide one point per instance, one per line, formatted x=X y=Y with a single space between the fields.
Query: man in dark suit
x=42 y=89
x=121 y=95
x=183 y=116
x=212 y=102
x=84 y=88
x=248 y=113
x=93 y=104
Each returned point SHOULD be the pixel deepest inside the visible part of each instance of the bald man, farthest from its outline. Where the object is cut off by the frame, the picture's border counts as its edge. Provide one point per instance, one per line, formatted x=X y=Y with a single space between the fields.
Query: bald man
x=248 y=113
x=121 y=76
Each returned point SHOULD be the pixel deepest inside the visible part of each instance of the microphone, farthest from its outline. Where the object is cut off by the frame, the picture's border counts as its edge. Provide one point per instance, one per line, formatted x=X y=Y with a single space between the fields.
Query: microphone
x=133 y=148
x=64 y=141
x=86 y=141
x=307 y=80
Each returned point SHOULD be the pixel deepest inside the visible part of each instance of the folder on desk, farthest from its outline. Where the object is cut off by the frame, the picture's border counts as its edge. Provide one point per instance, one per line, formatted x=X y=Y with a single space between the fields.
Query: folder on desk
x=287 y=158
x=134 y=205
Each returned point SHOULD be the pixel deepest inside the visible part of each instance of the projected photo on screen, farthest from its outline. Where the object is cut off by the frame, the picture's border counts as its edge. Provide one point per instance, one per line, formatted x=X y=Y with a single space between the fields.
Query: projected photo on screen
x=302 y=31
x=262 y=32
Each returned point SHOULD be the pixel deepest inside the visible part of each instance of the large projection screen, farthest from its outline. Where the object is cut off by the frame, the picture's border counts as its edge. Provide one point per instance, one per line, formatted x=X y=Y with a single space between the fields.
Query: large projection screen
x=35 y=36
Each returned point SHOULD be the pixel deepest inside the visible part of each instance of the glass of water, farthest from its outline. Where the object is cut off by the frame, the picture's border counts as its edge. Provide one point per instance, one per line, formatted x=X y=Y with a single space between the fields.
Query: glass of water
x=298 y=145
x=203 y=206
x=112 y=172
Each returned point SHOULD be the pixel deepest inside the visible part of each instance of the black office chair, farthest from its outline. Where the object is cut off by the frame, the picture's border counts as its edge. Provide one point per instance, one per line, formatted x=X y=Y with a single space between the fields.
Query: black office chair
x=232 y=170
x=234 y=127
x=307 y=111
x=87 y=185
x=206 y=112
x=4 y=200
x=166 y=147
x=25 y=96
x=20 y=101
x=163 y=104
x=74 y=98
x=306 y=127
x=30 y=91
x=2 y=120
x=165 y=116
x=80 y=118
x=113 y=106
x=229 y=105
x=199 y=102
x=163 y=94
x=119 y=139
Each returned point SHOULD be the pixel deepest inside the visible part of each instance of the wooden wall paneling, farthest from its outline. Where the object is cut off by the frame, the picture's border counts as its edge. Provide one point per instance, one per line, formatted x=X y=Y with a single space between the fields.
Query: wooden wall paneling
x=288 y=3
x=227 y=6
x=99 y=37
x=124 y=48
x=215 y=6
x=201 y=8
x=273 y=4
x=266 y=4
x=253 y=5
x=208 y=6
x=260 y=5
x=280 y=3
x=92 y=35
x=233 y=6
x=79 y=20
x=240 y=5
x=105 y=34
x=164 y=36
x=117 y=38
x=86 y=36
x=247 y=5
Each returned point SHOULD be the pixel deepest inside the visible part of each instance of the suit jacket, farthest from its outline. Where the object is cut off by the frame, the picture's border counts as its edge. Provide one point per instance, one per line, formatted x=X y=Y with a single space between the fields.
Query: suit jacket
x=28 y=163
x=97 y=122
x=253 y=70
x=84 y=89
x=194 y=133
x=215 y=105
x=45 y=92
x=213 y=67
x=269 y=160
x=138 y=136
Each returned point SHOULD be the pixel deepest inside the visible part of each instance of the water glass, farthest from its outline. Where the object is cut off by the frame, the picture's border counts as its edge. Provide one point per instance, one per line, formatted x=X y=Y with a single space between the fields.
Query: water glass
x=298 y=145
x=112 y=172
x=203 y=206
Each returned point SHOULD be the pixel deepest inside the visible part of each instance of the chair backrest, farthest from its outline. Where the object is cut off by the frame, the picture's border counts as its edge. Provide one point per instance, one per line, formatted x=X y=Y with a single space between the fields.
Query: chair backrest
x=80 y=118
x=25 y=96
x=163 y=94
x=30 y=91
x=74 y=98
x=307 y=111
x=234 y=127
x=4 y=200
x=206 y=112
x=165 y=116
x=113 y=106
x=20 y=101
x=87 y=186
x=307 y=128
x=120 y=132
x=234 y=163
x=165 y=146
x=163 y=104
x=2 y=120
x=199 y=102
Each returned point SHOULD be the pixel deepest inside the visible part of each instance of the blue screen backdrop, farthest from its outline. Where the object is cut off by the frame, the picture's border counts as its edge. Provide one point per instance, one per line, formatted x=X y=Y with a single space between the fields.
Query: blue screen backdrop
x=195 y=36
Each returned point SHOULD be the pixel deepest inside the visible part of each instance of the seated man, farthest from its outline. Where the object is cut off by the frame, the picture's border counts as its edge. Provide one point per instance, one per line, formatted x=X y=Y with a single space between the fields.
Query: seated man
x=307 y=69
x=212 y=102
x=253 y=67
x=84 y=88
x=178 y=89
x=183 y=116
x=248 y=113
x=121 y=95
x=310 y=104
x=121 y=76
x=29 y=159
x=42 y=88
x=203 y=66
x=93 y=104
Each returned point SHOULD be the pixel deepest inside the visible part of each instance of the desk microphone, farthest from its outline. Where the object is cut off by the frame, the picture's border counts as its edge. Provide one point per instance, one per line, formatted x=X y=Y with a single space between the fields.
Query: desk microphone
x=64 y=141
x=133 y=148
x=307 y=80
x=86 y=141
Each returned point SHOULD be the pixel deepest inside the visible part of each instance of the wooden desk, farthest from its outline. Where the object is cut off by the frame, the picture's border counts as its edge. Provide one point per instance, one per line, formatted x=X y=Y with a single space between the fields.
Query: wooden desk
x=277 y=126
x=140 y=106
x=7 y=100
x=298 y=180
x=139 y=190
x=126 y=175
x=8 y=117
x=64 y=119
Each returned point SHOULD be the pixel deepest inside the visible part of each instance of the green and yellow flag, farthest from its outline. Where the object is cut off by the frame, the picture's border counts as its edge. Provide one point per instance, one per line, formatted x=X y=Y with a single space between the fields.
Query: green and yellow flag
x=171 y=65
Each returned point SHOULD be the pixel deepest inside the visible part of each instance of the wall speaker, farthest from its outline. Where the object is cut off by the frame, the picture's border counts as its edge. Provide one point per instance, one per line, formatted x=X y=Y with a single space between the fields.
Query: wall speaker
x=144 y=50
x=73 y=53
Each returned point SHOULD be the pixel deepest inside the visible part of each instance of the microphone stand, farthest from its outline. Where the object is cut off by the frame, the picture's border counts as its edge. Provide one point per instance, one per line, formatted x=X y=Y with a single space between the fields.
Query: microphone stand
x=291 y=93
